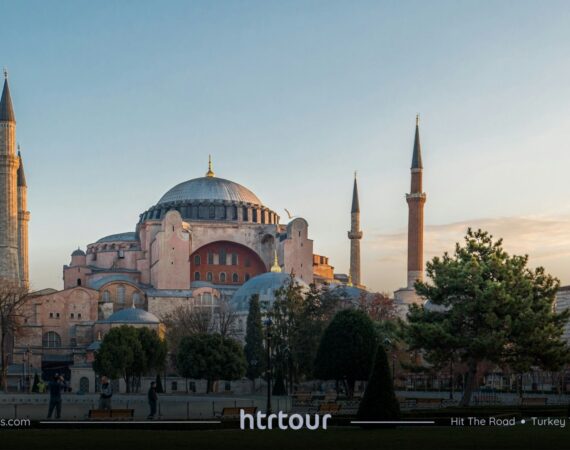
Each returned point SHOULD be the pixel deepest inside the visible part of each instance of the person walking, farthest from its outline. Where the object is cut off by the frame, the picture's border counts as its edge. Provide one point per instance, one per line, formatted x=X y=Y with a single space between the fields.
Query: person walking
x=55 y=387
x=106 y=394
x=152 y=400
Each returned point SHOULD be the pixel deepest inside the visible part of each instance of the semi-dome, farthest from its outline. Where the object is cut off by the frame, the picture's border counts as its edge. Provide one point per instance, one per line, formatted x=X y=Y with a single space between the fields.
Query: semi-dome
x=265 y=286
x=210 y=188
x=133 y=315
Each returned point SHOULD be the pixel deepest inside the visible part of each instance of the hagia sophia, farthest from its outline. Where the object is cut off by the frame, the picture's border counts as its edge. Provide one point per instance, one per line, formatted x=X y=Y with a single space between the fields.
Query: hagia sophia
x=207 y=241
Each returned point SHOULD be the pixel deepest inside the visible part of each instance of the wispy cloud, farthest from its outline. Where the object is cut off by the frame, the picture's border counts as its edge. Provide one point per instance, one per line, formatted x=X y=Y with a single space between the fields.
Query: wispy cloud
x=546 y=239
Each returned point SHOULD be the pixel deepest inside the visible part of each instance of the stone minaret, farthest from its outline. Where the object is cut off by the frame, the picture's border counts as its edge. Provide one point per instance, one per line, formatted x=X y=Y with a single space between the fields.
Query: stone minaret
x=9 y=268
x=355 y=234
x=23 y=219
x=416 y=200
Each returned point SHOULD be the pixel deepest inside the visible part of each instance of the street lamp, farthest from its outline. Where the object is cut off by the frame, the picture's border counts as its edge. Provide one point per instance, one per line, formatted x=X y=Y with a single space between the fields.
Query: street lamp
x=268 y=336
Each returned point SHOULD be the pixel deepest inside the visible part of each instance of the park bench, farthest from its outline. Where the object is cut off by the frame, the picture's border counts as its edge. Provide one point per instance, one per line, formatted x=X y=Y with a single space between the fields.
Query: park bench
x=534 y=401
x=234 y=412
x=328 y=408
x=111 y=414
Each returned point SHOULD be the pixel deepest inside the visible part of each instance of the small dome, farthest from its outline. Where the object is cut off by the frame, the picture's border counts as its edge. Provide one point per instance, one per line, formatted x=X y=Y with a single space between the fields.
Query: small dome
x=78 y=252
x=133 y=315
x=265 y=286
x=210 y=188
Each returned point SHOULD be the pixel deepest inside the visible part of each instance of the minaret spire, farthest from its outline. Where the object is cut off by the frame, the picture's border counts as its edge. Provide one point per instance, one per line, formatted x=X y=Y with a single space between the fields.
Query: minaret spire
x=6 y=109
x=9 y=190
x=416 y=200
x=355 y=234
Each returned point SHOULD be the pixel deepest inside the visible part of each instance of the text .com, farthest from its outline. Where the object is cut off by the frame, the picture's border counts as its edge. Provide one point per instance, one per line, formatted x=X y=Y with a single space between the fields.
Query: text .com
x=8 y=423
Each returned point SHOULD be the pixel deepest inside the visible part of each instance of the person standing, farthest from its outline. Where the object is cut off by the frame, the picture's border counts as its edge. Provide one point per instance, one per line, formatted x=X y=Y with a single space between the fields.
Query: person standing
x=55 y=387
x=106 y=394
x=152 y=400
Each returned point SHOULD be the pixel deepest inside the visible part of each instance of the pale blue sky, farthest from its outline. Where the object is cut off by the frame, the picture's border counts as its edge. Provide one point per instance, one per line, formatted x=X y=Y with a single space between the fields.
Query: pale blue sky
x=118 y=101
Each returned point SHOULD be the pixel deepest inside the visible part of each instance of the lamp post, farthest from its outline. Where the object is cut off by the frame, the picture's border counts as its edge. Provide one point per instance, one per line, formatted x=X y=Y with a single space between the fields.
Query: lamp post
x=27 y=379
x=268 y=337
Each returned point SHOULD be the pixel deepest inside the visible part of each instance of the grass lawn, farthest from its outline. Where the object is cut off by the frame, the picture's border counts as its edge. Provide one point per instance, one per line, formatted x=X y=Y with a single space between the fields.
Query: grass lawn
x=518 y=437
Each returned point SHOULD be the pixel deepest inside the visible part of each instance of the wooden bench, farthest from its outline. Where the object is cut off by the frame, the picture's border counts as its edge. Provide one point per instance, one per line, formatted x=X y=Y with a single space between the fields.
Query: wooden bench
x=234 y=412
x=111 y=414
x=328 y=408
x=534 y=401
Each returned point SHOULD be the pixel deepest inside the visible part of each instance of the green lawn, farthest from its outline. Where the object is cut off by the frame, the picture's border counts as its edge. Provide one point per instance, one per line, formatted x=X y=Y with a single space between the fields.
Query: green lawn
x=519 y=437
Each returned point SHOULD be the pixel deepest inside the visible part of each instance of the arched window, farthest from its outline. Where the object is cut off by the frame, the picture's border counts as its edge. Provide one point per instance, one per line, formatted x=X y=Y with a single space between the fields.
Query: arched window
x=79 y=282
x=51 y=340
x=136 y=298
x=222 y=277
x=196 y=276
x=210 y=257
x=222 y=256
x=106 y=296
x=121 y=294
x=209 y=276
x=212 y=212
x=235 y=278
x=234 y=259
x=247 y=277
x=197 y=260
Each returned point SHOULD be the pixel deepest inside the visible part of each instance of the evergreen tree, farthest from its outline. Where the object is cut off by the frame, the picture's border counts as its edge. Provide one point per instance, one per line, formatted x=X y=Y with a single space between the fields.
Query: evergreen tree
x=159 y=388
x=488 y=306
x=210 y=357
x=254 y=351
x=35 y=386
x=379 y=401
x=346 y=350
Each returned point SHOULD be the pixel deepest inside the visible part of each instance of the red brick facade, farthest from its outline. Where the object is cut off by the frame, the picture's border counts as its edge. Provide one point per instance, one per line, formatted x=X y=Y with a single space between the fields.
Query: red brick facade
x=225 y=262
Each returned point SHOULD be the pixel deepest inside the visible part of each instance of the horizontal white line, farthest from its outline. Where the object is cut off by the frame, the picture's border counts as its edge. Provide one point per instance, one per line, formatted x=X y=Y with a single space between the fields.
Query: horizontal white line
x=403 y=422
x=126 y=422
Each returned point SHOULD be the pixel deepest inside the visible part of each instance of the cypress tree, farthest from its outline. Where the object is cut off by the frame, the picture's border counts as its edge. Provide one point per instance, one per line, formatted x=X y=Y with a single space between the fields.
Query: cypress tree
x=254 y=351
x=159 y=388
x=379 y=401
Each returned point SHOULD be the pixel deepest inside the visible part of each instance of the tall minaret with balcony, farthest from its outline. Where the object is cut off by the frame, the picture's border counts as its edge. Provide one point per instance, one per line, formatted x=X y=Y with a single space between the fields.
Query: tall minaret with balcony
x=416 y=200
x=9 y=162
x=355 y=234
x=23 y=219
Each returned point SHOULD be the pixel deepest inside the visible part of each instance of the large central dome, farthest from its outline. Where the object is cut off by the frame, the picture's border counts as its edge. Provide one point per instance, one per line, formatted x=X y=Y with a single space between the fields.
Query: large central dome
x=210 y=188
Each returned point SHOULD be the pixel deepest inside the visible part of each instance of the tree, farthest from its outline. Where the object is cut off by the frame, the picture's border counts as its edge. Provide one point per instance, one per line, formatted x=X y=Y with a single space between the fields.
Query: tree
x=12 y=314
x=190 y=320
x=379 y=401
x=36 y=384
x=130 y=352
x=347 y=349
x=211 y=357
x=488 y=306
x=254 y=352
x=299 y=318
x=159 y=388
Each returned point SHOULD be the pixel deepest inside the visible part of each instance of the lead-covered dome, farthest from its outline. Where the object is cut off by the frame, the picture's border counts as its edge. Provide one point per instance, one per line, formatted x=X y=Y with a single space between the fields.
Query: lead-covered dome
x=265 y=286
x=210 y=188
x=133 y=316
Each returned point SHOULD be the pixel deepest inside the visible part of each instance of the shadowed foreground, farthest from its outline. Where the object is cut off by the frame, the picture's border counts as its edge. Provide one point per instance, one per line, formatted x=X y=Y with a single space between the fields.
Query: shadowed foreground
x=519 y=437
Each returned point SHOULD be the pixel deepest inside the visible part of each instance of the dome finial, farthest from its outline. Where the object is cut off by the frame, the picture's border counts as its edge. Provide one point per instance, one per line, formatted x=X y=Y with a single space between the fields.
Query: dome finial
x=417 y=119
x=210 y=172
x=275 y=268
x=5 y=73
